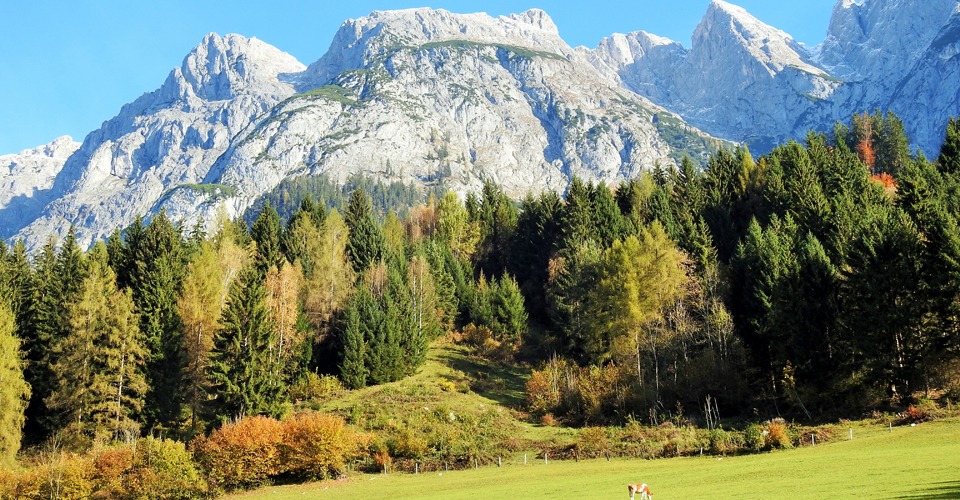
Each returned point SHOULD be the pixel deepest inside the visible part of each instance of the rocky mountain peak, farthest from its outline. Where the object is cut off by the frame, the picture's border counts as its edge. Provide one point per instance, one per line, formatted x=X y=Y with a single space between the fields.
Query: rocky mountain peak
x=726 y=26
x=358 y=42
x=30 y=171
x=223 y=67
x=870 y=39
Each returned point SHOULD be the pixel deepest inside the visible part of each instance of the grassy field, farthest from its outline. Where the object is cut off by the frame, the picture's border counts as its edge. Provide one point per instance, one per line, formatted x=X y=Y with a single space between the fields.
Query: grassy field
x=921 y=462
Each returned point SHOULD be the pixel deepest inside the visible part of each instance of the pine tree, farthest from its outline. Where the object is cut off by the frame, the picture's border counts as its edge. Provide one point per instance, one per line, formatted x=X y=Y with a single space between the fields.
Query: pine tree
x=14 y=390
x=241 y=372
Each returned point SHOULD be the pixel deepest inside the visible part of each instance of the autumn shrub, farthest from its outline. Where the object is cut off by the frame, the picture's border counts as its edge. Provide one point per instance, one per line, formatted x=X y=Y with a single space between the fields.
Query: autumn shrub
x=407 y=444
x=476 y=336
x=592 y=442
x=776 y=435
x=110 y=468
x=61 y=475
x=548 y=420
x=319 y=446
x=242 y=454
x=541 y=392
x=924 y=411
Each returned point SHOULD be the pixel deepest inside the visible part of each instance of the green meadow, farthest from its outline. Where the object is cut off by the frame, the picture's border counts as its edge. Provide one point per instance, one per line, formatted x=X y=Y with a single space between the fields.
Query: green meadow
x=921 y=462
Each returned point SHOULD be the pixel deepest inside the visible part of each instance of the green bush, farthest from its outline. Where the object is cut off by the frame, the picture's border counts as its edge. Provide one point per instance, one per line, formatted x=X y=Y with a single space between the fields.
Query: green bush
x=163 y=469
x=753 y=437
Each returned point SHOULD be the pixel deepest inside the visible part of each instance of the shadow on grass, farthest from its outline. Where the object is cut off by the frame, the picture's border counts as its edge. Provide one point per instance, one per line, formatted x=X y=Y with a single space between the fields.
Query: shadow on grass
x=503 y=384
x=942 y=490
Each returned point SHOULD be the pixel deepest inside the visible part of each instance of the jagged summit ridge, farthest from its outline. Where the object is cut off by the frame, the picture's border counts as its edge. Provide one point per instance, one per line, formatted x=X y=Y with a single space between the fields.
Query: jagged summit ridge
x=746 y=81
x=417 y=96
x=361 y=41
x=426 y=96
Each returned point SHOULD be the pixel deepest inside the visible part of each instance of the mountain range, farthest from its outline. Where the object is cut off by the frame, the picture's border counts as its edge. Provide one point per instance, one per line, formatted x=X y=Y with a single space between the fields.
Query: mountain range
x=432 y=97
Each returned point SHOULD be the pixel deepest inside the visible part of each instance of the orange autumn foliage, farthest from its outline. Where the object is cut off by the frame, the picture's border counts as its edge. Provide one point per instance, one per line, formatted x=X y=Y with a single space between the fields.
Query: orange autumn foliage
x=885 y=179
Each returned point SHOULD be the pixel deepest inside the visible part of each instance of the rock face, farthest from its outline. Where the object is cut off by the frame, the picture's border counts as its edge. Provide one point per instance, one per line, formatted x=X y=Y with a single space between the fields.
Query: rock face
x=416 y=96
x=746 y=81
x=428 y=96
x=163 y=139
x=26 y=176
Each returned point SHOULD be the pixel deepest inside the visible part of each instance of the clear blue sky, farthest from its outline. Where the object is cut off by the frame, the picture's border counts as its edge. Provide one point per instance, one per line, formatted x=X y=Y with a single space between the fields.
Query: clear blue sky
x=67 y=66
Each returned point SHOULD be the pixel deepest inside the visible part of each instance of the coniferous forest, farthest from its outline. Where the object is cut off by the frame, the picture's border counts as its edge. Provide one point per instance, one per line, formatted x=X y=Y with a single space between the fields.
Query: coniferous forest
x=819 y=281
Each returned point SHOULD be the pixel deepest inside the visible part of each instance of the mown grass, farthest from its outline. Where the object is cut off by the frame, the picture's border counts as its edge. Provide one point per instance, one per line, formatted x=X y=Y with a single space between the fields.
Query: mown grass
x=921 y=462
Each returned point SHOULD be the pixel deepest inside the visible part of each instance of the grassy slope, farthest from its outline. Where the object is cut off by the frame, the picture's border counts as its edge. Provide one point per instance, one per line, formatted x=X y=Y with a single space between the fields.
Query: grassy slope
x=920 y=462
x=453 y=380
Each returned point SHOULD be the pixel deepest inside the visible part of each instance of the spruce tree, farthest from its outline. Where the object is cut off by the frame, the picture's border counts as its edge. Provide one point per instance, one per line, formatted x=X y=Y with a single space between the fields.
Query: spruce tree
x=41 y=330
x=508 y=310
x=157 y=266
x=366 y=245
x=242 y=378
x=353 y=369
x=266 y=233
x=949 y=159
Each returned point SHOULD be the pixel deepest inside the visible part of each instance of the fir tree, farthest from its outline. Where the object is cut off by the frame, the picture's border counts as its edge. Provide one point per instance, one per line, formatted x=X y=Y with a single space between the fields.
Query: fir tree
x=949 y=159
x=157 y=265
x=508 y=309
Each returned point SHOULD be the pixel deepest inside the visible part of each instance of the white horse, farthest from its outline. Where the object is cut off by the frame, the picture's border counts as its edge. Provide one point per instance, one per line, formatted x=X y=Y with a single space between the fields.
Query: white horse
x=643 y=489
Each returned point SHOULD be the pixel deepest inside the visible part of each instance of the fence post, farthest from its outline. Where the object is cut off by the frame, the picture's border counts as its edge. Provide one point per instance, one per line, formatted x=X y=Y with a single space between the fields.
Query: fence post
x=813 y=440
x=851 y=434
x=499 y=461
x=544 y=458
x=524 y=459
x=416 y=467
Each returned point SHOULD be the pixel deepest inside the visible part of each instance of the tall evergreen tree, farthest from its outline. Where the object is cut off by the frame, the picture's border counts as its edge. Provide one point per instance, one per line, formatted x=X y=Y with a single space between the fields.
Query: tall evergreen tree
x=510 y=316
x=366 y=245
x=949 y=159
x=155 y=265
x=241 y=373
x=353 y=367
x=266 y=231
